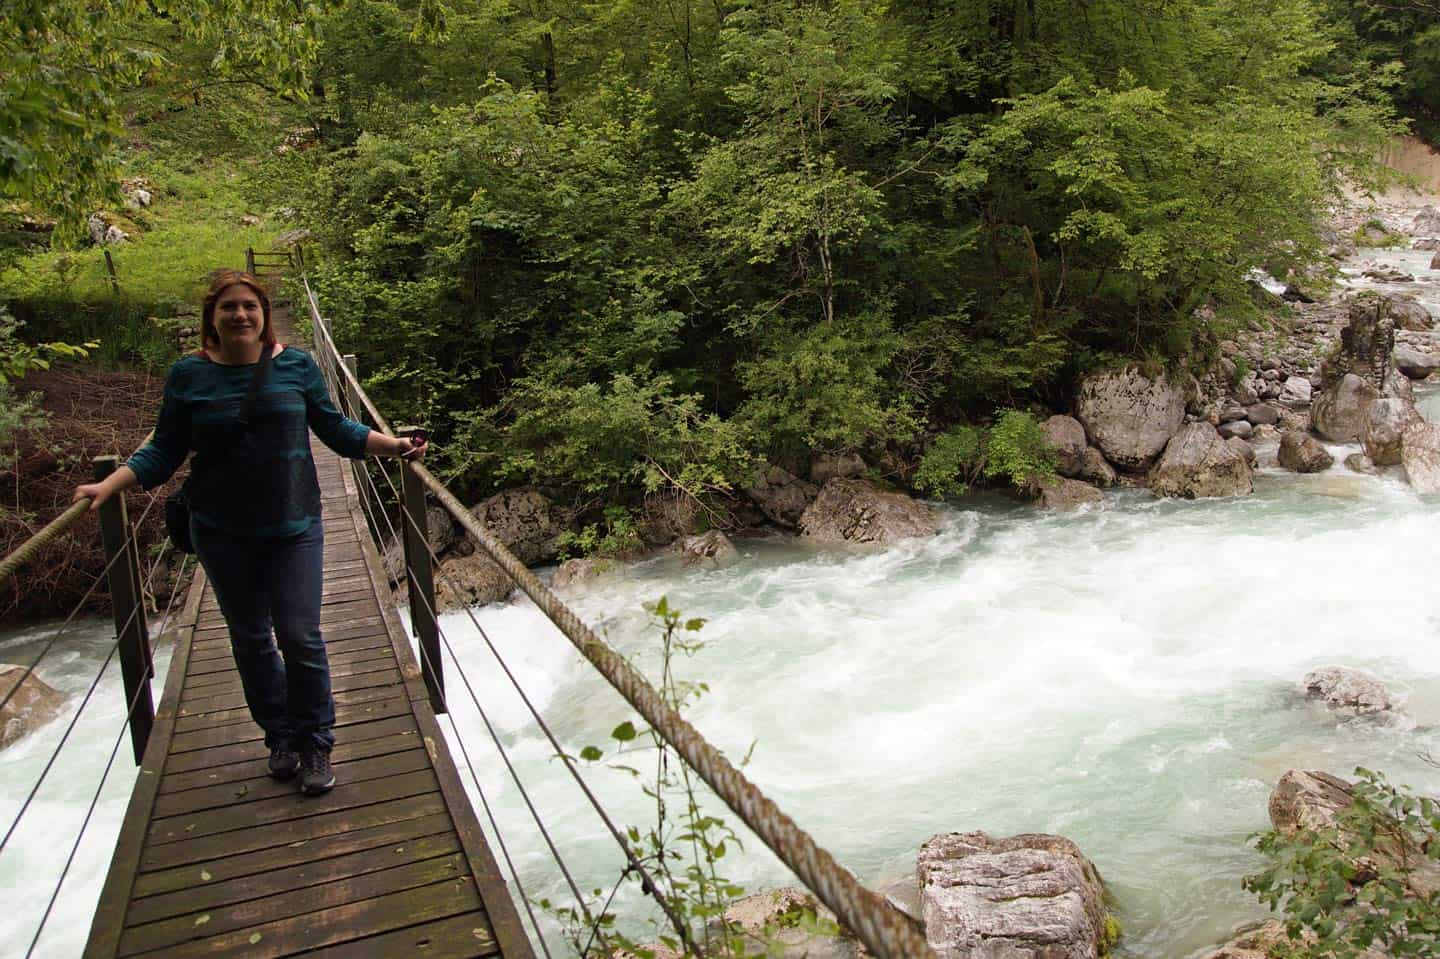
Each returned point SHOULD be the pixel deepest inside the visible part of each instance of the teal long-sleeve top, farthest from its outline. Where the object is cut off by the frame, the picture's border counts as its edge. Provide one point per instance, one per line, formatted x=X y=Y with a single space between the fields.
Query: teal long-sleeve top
x=258 y=481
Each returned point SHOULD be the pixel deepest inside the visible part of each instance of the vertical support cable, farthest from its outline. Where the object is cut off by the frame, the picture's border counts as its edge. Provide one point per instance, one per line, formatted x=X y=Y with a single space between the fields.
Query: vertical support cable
x=126 y=601
x=420 y=576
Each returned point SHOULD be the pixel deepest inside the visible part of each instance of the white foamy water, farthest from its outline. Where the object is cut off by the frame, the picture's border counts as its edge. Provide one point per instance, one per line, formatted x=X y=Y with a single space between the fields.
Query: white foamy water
x=31 y=863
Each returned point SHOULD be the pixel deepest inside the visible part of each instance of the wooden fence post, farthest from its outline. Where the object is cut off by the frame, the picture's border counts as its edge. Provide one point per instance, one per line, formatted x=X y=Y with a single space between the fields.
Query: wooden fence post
x=110 y=268
x=250 y=260
x=420 y=577
x=128 y=608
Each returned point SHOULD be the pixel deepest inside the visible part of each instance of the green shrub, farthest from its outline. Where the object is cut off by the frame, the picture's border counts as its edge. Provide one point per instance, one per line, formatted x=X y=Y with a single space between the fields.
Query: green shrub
x=953 y=462
x=1017 y=451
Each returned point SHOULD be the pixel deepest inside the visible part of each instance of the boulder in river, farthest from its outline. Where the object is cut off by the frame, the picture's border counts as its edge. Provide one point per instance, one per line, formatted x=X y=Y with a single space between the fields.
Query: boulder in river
x=442 y=536
x=1066 y=438
x=857 y=511
x=1348 y=690
x=1244 y=449
x=1306 y=801
x=1384 y=427
x=1062 y=494
x=1360 y=463
x=1030 y=896
x=1302 y=453
x=668 y=515
x=1198 y=463
x=1420 y=456
x=1417 y=355
x=1237 y=428
x=1130 y=416
x=1339 y=409
x=1262 y=414
x=1435 y=262
x=34 y=704
x=1295 y=393
x=524 y=520
x=473 y=580
x=578 y=572
x=1259 y=942
x=1411 y=314
x=1094 y=469
x=1426 y=222
x=711 y=549
x=1388 y=274
x=789 y=923
x=782 y=496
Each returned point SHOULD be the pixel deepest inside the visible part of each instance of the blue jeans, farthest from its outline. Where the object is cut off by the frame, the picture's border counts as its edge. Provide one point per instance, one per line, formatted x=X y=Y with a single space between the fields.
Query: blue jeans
x=274 y=585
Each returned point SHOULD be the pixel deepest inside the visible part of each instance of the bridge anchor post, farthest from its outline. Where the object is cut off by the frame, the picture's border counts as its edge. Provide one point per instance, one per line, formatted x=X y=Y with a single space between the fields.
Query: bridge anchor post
x=420 y=578
x=127 y=602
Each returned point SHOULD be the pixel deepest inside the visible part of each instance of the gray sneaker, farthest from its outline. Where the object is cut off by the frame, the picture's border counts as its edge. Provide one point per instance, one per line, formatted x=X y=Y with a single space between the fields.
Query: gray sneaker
x=284 y=763
x=316 y=777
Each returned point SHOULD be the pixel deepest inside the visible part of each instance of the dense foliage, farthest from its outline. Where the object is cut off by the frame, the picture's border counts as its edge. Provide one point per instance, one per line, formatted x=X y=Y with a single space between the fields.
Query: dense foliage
x=609 y=247
x=599 y=245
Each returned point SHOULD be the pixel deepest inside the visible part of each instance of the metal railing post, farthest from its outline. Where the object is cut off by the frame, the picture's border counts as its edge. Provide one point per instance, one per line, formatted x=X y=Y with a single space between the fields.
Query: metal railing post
x=351 y=400
x=420 y=577
x=127 y=606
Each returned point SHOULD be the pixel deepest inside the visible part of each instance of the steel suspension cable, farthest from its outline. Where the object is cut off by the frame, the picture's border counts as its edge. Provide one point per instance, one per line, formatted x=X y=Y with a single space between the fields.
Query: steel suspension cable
x=85 y=701
x=109 y=764
x=475 y=778
x=633 y=863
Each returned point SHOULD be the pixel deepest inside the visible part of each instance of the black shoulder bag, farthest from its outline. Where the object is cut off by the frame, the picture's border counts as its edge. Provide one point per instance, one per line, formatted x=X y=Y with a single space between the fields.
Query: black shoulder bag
x=177 y=504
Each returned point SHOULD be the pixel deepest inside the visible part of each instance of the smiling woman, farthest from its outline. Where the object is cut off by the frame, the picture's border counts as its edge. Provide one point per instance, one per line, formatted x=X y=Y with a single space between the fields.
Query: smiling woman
x=246 y=405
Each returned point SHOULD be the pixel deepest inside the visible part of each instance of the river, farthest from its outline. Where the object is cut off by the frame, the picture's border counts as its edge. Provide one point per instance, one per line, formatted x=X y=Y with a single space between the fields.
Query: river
x=1126 y=677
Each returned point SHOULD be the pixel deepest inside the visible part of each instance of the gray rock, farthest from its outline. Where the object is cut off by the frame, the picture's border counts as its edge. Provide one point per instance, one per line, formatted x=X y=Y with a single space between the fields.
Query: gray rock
x=1417 y=354
x=1130 y=416
x=1348 y=690
x=1306 y=801
x=1360 y=463
x=1240 y=428
x=1426 y=222
x=1425 y=243
x=1066 y=437
x=1339 y=410
x=1302 y=453
x=1388 y=274
x=1243 y=448
x=1384 y=427
x=1435 y=262
x=1023 y=897
x=1198 y=463
x=668 y=515
x=856 y=511
x=1232 y=413
x=1265 y=433
x=578 y=572
x=828 y=466
x=1410 y=314
x=1262 y=414
x=473 y=580
x=1258 y=942
x=711 y=549
x=525 y=521
x=1064 y=494
x=782 y=923
x=293 y=238
x=442 y=533
x=1244 y=393
x=1295 y=392
x=1094 y=469
x=32 y=706
x=1420 y=456
x=782 y=496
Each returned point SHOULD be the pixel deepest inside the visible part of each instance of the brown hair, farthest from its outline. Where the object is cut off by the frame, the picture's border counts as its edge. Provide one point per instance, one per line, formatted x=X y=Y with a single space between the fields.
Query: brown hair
x=223 y=280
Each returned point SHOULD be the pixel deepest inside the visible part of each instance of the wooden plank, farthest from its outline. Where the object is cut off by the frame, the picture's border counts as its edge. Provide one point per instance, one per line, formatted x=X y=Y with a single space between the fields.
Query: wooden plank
x=213 y=894
x=232 y=795
x=180 y=763
x=222 y=702
x=185 y=878
x=169 y=933
x=114 y=900
x=289 y=834
x=251 y=768
x=459 y=937
x=243 y=732
x=338 y=924
x=342 y=664
x=244 y=817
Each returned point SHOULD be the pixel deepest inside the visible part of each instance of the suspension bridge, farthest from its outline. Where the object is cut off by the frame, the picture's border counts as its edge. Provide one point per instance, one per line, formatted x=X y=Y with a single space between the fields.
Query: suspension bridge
x=216 y=859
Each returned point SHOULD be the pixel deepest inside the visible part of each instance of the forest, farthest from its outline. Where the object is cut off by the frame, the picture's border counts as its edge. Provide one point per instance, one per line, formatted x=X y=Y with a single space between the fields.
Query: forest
x=613 y=247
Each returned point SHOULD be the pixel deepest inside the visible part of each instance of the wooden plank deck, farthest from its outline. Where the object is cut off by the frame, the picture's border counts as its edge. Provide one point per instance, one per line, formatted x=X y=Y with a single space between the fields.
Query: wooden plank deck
x=217 y=859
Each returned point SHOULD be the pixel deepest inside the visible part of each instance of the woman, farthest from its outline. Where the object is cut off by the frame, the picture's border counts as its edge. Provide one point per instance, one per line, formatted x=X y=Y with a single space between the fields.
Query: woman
x=255 y=511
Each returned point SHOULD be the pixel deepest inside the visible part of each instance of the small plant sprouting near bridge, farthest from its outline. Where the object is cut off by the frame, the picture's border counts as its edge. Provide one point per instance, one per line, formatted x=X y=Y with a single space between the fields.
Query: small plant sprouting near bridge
x=683 y=848
x=1368 y=882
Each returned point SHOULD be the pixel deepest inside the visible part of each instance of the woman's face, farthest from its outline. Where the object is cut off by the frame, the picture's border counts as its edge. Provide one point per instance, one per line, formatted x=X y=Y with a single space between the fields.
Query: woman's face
x=239 y=318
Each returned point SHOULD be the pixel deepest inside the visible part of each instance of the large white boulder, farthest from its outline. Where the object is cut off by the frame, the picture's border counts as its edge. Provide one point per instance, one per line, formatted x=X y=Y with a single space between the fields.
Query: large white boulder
x=1417 y=355
x=1339 y=410
x=1420 y=456
x=1383 y=429
x=1348 y=690
x=782 y=496
x=1198 y=463
x=525 y=521
x=1066 y=439
x=1130 y=416
x=1023 y=897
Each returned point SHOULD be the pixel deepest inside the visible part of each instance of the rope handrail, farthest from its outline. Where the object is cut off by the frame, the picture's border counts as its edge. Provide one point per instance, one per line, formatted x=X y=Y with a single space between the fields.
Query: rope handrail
x=883 y=929
x=26 y=551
